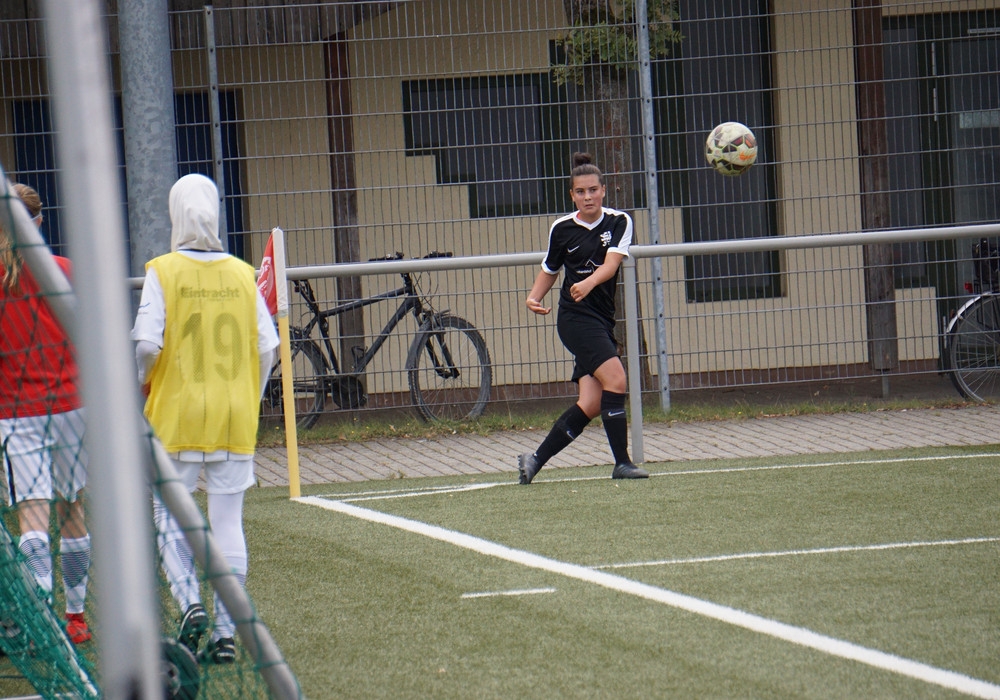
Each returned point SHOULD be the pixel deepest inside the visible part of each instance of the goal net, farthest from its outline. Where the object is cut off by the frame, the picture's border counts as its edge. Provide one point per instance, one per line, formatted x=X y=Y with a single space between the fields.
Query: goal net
x=50 y=618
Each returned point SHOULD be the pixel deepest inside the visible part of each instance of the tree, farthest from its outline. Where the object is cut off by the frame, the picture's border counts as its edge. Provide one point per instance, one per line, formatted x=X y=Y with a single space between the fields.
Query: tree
x=601 y=51
x=880 y=290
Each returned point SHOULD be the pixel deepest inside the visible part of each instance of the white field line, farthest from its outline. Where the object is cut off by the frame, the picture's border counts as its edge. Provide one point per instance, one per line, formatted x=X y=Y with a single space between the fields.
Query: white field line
x=842 y=463
x=494 y=594
x=755 y=623
x=798 y=552
x=429 y=491
x=441 y=490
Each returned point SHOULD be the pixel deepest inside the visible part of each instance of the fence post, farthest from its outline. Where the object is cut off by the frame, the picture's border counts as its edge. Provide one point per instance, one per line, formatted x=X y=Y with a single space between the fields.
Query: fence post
x=218 y=167
x=632 y=353
x=652 y=198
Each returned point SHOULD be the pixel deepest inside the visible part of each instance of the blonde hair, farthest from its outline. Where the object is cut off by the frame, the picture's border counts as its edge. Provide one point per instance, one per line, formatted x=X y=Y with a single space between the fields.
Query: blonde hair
x=30 y=198
x=10 y=259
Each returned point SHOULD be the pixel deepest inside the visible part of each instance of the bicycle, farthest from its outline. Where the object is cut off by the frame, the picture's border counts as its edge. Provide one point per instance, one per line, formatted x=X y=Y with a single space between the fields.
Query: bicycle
x=448 y=365
x=972 y=338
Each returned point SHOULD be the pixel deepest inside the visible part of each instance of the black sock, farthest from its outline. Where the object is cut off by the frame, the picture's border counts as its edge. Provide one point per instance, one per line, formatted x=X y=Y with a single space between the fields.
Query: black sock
x=615 y=425
x=565 y=430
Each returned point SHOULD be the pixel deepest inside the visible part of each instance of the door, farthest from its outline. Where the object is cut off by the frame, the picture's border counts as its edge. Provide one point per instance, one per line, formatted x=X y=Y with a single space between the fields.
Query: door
x=943 y=108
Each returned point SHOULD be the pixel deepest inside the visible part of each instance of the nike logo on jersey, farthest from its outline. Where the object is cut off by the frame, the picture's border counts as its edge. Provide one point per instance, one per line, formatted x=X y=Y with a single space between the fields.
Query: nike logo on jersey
x=612 y=414
x=572 y=250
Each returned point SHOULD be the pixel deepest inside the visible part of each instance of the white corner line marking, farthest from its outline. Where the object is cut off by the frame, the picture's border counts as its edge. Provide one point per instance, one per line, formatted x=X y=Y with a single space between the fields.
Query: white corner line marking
x=799 y=552
x=815 y=465
x=551 y=477
x=495 y=594
x=440 y=490
x=779 y=630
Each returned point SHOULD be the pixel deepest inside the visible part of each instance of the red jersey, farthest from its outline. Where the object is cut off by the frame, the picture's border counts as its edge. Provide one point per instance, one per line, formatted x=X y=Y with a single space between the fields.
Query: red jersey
x=38 y=374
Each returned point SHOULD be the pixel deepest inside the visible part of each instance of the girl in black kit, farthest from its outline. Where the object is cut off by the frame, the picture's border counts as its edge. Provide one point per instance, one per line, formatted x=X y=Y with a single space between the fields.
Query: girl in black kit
x=590 y=245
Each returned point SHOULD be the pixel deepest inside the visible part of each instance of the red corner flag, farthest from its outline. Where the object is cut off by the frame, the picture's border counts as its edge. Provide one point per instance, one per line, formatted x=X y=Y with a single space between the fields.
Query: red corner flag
x=265 y=283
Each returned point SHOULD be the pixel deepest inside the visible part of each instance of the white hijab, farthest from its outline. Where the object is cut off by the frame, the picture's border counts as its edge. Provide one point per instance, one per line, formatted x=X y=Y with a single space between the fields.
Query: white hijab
x=194 y=214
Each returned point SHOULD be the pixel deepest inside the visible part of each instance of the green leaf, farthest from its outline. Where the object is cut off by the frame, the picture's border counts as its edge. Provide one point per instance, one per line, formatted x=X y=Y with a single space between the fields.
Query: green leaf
x=613 y=43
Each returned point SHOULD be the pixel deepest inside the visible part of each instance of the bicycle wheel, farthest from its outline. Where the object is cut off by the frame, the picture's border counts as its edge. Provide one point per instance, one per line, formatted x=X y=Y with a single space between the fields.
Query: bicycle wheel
x=309 y=372
x=974 y=349
x=449 y=370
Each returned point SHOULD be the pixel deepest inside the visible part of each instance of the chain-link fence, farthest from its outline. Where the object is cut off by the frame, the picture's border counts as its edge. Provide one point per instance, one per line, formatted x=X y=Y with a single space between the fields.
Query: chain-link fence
x=366 y=128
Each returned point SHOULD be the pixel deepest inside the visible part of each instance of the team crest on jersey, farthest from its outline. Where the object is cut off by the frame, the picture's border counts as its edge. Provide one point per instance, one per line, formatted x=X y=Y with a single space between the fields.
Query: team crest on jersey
x=605 y=238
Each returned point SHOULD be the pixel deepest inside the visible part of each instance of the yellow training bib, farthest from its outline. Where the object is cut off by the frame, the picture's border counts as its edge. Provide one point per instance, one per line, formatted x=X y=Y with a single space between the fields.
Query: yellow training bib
x=205 y=386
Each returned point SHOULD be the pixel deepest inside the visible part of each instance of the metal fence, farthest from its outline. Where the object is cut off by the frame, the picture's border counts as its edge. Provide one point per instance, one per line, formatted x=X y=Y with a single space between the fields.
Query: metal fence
x=365 y=128
x=840 y=340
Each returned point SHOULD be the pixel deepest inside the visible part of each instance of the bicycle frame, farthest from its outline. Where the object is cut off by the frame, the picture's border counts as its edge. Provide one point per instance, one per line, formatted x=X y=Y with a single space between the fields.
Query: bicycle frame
x=411 y=304
x=443 y=384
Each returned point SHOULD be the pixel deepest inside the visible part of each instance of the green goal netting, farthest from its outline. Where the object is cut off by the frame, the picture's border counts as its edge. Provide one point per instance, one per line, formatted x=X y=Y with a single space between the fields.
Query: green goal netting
x=41 y=580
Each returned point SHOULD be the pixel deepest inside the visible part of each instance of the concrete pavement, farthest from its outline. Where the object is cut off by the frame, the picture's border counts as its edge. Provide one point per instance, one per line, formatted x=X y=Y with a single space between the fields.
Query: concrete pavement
x=390 y=458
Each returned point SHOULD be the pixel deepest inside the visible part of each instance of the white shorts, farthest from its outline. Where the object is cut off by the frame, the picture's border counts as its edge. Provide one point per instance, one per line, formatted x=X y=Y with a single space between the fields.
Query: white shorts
x=221 y=477
x=44 y=456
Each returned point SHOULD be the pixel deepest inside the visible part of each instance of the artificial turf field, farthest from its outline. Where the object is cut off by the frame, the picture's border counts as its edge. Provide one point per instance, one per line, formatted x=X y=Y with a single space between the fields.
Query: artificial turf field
x=840 y=576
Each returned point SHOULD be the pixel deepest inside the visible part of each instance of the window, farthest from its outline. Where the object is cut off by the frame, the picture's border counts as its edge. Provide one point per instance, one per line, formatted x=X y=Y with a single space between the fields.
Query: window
x=943 y=126
x=35 y=161
x=195 y=154
x=720 y=72
x=500 y=135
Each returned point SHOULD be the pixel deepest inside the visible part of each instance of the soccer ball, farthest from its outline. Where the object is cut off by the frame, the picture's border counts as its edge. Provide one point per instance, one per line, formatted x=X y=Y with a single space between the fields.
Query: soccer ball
x=731 y=148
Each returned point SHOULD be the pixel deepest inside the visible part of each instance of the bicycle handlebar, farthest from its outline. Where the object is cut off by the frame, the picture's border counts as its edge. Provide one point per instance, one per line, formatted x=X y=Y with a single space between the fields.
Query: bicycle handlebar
x=399 y=256
x=304 y=287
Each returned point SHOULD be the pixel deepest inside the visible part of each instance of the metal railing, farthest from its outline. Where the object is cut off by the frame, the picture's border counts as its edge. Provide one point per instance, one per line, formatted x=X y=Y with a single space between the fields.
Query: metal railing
x=631 y=286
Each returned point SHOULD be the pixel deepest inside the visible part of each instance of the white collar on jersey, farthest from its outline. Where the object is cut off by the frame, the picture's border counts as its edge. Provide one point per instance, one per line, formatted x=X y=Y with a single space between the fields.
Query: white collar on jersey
x=589 y=226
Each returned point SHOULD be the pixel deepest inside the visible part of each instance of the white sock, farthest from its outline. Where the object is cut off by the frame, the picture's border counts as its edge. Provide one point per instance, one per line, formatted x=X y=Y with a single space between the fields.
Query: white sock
x=176 y=557
x=34 y=545
x=75 y=557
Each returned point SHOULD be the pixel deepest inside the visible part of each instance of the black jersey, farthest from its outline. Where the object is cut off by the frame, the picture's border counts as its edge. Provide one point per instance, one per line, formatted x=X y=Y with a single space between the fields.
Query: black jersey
x=580 y=248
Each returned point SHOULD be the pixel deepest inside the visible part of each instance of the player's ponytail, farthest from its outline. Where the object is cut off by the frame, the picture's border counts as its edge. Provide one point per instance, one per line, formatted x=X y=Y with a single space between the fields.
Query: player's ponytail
x=583 y=164
x=10 y=259
x=11 y=262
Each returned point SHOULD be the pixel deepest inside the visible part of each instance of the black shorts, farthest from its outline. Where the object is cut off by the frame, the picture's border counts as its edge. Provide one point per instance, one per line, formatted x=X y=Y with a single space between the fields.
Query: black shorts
x=590 y=340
